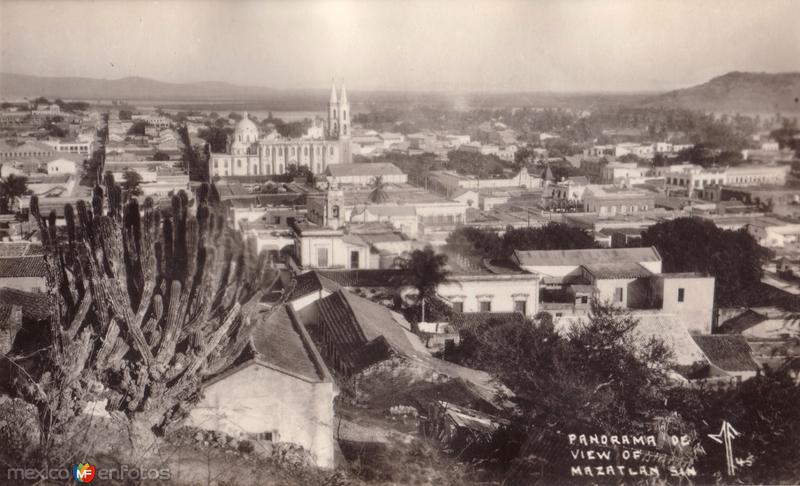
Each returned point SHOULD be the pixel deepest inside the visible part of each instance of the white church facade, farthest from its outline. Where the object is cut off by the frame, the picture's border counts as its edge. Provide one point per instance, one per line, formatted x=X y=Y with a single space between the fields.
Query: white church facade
x=250 y=154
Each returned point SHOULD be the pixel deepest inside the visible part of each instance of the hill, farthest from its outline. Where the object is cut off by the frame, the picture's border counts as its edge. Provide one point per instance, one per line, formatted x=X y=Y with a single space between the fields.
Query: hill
x=738 y=92
x=23 y=85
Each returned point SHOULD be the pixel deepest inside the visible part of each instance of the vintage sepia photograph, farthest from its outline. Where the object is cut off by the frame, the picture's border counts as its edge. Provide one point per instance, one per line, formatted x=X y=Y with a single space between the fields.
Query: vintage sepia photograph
x=410 y=242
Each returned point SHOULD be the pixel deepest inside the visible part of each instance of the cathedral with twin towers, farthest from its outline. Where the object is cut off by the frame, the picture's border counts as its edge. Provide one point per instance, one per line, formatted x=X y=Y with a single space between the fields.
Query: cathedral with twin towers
x=249 y=153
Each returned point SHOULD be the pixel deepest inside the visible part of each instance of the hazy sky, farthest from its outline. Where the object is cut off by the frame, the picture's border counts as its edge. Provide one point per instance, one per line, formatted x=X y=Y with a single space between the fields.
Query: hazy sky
x=497 y=45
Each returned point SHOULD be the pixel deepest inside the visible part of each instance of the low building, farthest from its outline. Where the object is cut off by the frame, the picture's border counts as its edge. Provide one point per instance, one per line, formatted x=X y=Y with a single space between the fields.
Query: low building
x=623 y=173
x=62 y=166
x=484 y=287
x=364 y=174
x=75 y=147
x=280 y=392
x=608 y=201
x=626 y=277
x=320 y=247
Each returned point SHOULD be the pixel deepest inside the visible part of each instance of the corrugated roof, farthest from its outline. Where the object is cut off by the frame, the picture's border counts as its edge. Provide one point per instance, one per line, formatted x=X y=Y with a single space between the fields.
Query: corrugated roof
x=26 y=266
x=727 y=352
x=617 y=270
x=374 y=169
x=586 y=256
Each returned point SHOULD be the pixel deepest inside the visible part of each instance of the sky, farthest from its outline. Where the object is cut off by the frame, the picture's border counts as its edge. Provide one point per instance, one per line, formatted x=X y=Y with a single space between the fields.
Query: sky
x=440 y=45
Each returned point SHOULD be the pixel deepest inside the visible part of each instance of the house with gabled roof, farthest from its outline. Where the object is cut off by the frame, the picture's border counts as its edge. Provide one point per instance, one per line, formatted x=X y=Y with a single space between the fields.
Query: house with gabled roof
x=727 y=355
x=280 y=390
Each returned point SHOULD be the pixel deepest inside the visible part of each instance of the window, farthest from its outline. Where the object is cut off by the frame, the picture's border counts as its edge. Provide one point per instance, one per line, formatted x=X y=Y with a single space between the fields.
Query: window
x=331 y=149
x=305 y=150
x=584 y=299
x=335 y=212
x=520 y=306
x=486 y=306
x=322 y=257
x=354 y=259
x=618 y=293
x=458 y=307
x=261 y=436
x=276 y=220
x=680 y=295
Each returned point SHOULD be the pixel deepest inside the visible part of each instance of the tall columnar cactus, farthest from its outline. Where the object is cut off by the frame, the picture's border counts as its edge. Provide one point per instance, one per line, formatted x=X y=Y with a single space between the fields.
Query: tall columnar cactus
x=145 y=304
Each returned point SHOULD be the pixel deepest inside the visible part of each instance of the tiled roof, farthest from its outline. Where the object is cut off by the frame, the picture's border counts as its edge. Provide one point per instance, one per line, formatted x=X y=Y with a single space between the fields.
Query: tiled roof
x=277 y=340
x=376 y=169
x=311 y=282
x=617 y=270
x=26 y=266
x=354 y=322
x=18 y=249
x=35 y=305
x=586 y=256
x=7 y=321
x=472 y=320
x=365 y=277
x=742 y=322
x=672 y=332
x=727 y=352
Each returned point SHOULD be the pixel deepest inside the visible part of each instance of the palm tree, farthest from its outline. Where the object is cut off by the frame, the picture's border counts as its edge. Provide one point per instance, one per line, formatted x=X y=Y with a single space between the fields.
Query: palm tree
x=425 y=270
x=11 y=188
x=378 y=193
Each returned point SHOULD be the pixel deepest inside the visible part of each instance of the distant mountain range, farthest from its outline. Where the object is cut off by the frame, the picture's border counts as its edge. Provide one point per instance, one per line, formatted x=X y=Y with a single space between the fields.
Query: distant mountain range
x=734 y=92
x=738 y=92
x=131 y=88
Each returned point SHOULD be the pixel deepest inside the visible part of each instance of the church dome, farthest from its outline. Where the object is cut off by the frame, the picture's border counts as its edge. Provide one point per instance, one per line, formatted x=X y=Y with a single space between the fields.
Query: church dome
x=246 y=130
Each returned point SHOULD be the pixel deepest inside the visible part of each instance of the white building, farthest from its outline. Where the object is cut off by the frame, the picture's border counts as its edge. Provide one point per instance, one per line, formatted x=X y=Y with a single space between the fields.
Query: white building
x=62 y=166
x=364 y=174
x=248 y=153
x=281 y=393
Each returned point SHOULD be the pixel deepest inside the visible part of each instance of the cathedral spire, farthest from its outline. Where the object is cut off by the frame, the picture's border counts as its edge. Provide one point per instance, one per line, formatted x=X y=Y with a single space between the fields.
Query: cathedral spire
x=333 y=93
x=344 y=95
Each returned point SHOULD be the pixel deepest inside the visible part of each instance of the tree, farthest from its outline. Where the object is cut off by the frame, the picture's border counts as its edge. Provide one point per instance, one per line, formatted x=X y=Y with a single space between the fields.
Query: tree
x=11 y=188
x=763 y=410
x=217 y=137
x=698 y=245
x=138 y=128
x=564 y=171
x=132 y=181
x=144 y=307
x=425 y=270
x=294 y=171
x=125 y=115
x=469 y=240
x=553 y=236
x=597 y=377
x=160 y=156
x=195 y=159
x=377 y=194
